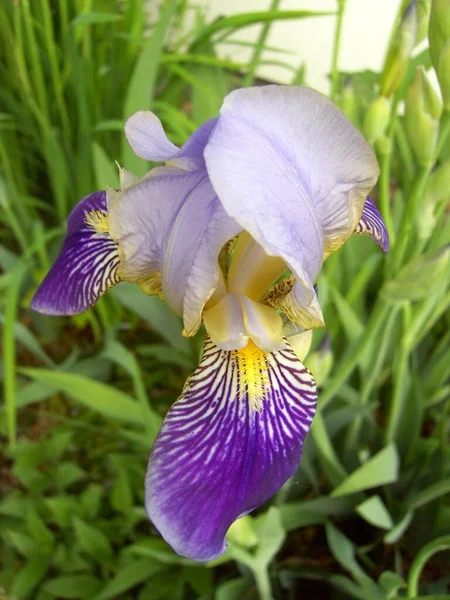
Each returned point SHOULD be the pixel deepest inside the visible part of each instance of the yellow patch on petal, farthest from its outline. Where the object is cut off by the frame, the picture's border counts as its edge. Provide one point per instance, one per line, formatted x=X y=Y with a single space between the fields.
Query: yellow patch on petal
x=253 y=374
x=97 y=220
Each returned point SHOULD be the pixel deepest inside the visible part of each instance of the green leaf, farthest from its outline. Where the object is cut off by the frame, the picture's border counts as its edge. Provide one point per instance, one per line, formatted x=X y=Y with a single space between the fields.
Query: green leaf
x=232 y=590
x=154 y=312
x=90 y=500
x=399 y=529
x=68 y=473
x=22 y=543
x=73 y=586
x=97 y=18
x=141 y=88
x=129 y=576
x=420 y=277
x=343 y=551
x=430 y=493
x=30 y=576
x=235 y=22
x=97 y=396
x=93 y=542
x=379 y=470
x=271 y=535
x=39 y=531
x=375 y=512
x=62 y=509
x=106 y=173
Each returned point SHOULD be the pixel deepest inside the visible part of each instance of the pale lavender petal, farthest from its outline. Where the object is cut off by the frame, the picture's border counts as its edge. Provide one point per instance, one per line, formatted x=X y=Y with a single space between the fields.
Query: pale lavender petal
x=146 y=136
x=292 y=170
x=372 y=224
x=85 y=269
x=173 y=224
x=216 y=458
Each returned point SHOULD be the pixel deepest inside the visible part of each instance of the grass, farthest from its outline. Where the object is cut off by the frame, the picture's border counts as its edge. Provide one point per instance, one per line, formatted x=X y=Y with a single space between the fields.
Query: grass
x=367 y=515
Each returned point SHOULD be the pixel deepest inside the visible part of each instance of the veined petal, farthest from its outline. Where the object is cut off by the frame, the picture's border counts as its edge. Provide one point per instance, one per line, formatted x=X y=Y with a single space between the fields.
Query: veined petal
x=216 y=457
x=146 y=136
x=372 y=224
x=87 y=265
x=292 y=170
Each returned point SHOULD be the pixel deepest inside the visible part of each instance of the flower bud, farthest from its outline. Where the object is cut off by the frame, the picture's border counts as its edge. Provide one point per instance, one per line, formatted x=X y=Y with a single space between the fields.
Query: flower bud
x=399 y=51
x=422 y=112
x=437 y=191
x=242 y=532
x=377 y=119
x=439 y=38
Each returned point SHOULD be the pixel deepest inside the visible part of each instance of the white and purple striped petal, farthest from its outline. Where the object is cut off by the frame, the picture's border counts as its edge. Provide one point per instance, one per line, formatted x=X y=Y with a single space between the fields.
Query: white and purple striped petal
x=217 y=458
x=146 y=136
x=86 y=267
x=372 y=224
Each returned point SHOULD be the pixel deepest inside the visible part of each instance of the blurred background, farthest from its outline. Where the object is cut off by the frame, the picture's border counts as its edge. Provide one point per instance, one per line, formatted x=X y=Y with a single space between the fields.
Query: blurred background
x=367 y=515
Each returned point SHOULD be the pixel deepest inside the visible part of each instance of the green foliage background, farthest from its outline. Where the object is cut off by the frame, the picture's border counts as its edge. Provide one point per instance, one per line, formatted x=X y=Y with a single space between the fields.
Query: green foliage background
x=368 y=509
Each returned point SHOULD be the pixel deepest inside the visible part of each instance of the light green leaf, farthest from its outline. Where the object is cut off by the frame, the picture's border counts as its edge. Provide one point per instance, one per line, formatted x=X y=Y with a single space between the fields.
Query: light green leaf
x=143 y=80
x=129 y=576
x=97 y=396
x=379 y=470
x=106 y=172
x=375 y=512
x=96 y=18
x=92 y=541
x=430 y=493
x=73 y=586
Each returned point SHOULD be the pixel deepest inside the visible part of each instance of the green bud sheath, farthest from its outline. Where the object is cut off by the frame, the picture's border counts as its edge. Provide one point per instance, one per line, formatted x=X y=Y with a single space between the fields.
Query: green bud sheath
x=377 y=119
x=399 y=51
x=439 y=38
x=423 y=110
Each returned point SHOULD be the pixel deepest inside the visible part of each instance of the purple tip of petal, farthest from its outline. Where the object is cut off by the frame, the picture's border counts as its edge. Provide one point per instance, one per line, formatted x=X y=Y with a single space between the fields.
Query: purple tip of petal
x=85 y=268
x=217 y=458
x=372 y=224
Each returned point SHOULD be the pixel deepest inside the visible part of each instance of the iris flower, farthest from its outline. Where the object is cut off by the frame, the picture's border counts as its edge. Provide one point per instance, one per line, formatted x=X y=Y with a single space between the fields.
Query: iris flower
x=232 y=233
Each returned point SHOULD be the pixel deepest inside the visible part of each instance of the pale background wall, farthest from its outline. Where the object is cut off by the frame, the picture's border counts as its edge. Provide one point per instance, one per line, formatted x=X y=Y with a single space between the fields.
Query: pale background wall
x=367 y=24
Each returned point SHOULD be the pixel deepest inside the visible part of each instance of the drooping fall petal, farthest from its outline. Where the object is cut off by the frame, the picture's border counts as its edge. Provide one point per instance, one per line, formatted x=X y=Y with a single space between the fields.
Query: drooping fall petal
x=232 y=439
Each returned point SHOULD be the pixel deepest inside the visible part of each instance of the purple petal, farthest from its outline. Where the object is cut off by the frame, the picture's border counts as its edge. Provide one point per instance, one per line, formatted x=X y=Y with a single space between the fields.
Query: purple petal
x=372 y=224
x=85 y=269
x=146 y=136
x=216 y=458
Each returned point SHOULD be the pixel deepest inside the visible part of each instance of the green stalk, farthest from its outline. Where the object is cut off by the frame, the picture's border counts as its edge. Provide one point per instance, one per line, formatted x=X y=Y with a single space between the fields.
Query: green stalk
x=255 y=60
x=400 y=375
x=262 y=581
x=380 y=350
x=437 y=545
x=9 y=350
x=409 y=219
x=336 y=48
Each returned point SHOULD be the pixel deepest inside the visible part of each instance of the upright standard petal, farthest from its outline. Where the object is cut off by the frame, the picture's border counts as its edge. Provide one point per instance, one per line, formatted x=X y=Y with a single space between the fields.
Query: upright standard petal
x=221 y=451
x=87 y=265
x=293 y=171
x=171 y=226
x=372 y=224
x=146 y=136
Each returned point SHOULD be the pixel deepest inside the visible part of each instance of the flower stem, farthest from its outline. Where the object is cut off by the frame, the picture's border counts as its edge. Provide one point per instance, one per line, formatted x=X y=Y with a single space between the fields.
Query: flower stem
x=336 y=47
x=262 y=580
